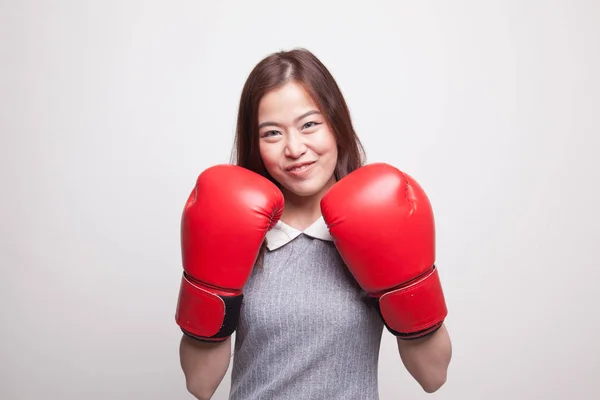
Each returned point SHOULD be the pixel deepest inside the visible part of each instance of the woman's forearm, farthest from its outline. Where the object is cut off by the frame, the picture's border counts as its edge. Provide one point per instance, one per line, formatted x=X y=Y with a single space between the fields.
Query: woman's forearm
x=204 y=365
x=427 y=359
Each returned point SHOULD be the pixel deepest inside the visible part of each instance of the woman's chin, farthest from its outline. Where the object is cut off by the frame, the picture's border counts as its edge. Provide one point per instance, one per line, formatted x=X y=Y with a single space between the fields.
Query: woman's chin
x=306 y=189
x=301 y=191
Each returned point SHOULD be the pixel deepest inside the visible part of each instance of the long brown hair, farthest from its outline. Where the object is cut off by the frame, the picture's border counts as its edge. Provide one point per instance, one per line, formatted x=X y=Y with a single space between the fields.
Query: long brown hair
x=302 y=66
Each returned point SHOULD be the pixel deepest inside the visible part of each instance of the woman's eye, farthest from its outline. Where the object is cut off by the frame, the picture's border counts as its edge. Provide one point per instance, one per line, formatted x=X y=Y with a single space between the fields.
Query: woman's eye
x=269 y=133
x=309 y=125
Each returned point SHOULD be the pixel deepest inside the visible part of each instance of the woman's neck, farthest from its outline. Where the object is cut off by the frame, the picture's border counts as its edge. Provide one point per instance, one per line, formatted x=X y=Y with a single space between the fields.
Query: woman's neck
x=300 y=216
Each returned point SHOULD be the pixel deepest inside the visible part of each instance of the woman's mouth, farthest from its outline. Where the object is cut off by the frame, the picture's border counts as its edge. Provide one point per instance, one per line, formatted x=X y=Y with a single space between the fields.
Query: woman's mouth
x=300 y=169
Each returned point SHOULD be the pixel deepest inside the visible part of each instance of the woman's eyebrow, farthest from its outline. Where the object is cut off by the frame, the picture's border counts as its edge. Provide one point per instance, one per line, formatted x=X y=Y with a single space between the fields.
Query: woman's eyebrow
x=306 y=114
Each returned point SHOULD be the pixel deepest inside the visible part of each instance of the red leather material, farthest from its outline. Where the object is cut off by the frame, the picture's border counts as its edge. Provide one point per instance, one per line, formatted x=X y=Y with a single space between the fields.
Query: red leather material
x=224 y=223
x=199 y=311
x=383 y=226
x=415 y=307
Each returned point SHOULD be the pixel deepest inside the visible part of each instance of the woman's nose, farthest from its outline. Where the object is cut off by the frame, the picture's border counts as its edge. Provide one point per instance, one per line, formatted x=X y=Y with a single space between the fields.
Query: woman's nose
x=295 y=146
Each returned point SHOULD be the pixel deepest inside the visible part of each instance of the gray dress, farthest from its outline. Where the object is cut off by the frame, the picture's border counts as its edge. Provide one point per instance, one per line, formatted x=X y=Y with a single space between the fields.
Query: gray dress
x=305 y=330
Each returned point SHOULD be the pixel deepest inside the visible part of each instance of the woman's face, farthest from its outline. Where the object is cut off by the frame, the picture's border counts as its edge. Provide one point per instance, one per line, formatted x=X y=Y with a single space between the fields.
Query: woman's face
x=297 y=146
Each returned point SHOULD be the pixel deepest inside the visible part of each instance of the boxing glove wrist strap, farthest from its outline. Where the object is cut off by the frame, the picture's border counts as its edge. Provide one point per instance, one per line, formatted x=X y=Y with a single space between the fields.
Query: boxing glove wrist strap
x=415 y=310
x=205 y=315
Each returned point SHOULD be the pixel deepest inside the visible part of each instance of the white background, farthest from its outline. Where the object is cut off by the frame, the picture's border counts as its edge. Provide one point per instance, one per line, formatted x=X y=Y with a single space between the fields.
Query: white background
x=110 y=109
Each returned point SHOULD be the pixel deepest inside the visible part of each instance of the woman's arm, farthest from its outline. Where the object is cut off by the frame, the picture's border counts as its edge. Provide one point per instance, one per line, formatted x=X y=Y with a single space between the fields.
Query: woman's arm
x=204 y=365
x=427 y=359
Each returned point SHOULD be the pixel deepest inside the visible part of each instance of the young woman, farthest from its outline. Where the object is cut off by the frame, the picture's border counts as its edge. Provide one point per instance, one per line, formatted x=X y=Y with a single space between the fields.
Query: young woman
x=306 y=267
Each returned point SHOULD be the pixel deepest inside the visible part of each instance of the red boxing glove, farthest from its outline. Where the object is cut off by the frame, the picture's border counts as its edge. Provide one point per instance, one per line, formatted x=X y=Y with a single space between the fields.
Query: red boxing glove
x=223 y=226
x=382 y=225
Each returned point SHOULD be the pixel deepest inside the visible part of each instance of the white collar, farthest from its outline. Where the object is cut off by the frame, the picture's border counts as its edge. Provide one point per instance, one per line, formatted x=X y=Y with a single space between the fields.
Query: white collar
x=282 y=233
